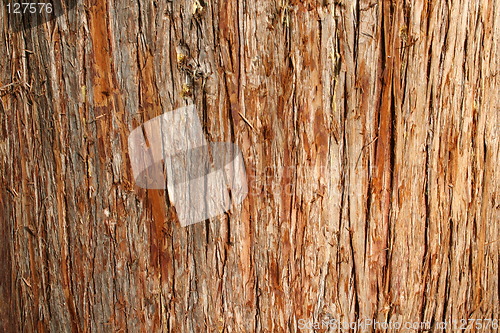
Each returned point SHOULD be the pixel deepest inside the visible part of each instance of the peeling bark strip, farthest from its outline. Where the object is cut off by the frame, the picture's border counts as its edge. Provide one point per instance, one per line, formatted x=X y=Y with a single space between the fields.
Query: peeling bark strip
x=370 y=133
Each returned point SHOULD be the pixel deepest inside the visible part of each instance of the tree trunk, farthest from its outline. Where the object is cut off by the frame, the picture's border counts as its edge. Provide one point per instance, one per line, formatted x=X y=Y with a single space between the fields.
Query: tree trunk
x=370 y=137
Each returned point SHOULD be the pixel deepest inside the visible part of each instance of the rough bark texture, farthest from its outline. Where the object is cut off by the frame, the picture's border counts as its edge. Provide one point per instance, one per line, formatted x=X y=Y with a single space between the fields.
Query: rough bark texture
x=370 y=133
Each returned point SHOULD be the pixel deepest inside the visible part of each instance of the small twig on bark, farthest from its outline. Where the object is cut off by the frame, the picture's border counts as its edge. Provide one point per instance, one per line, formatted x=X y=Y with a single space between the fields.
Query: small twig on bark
x=7 y=86
x=369 y=143
x=246 y=121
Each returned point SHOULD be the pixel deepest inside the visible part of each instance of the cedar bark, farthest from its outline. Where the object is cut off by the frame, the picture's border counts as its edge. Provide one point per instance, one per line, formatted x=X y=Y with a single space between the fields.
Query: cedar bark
x=370 y=133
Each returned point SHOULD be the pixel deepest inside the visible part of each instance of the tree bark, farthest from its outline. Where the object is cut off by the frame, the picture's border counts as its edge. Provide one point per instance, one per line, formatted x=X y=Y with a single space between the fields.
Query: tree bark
x=370 y=136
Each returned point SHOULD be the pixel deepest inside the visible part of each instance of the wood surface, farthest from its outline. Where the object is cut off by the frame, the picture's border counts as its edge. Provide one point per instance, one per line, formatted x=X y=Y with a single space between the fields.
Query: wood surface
x=370 y=132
